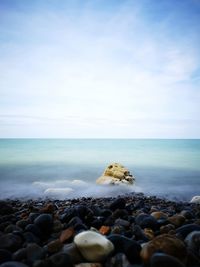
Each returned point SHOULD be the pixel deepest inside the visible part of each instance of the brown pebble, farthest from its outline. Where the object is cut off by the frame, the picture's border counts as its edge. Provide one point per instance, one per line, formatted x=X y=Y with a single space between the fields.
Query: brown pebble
x=159 y=215
x=54 y=246
x=167 y=244
x=149 y=233
x=104 y=230
x=49 y=208
x=66 y=234
x=166 y=228
x=177 y=220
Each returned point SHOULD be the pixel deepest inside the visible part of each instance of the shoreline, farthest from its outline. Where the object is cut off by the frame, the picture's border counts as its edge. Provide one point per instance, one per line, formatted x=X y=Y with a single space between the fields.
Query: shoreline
x=36 y=232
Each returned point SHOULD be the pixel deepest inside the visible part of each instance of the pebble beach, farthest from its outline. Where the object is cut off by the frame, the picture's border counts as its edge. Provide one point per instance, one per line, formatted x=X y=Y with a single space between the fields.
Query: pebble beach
x=131 y=230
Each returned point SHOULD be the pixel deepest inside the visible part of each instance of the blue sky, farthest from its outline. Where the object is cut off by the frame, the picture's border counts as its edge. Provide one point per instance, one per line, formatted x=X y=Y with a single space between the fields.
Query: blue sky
x=115 y=69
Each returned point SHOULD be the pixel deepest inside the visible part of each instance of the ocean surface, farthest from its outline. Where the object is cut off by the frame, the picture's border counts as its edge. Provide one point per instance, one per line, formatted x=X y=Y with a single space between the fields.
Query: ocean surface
x=67 y=168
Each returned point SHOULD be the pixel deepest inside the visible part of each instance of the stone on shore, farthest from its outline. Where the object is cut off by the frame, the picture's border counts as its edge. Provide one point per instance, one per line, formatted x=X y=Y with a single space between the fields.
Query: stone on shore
x=93 y=246
x=167 y=244
x=195 y=199
x=116 y=174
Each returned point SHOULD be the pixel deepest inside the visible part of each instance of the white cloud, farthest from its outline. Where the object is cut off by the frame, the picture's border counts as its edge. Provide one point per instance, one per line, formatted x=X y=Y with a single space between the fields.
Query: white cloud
x=96 y=75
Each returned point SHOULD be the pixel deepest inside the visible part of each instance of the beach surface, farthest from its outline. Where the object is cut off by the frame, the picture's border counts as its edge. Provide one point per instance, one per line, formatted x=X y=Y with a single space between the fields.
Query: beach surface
x=129 y=231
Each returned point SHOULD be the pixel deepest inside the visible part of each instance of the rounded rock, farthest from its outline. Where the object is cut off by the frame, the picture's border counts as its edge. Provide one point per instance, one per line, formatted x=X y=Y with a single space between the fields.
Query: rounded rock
x=13 y=264
x=164 y=260
x=193 y=241
x=165 y=243
x=127 y=246
x=5 y=255
x=10 y=241
x=93 y=246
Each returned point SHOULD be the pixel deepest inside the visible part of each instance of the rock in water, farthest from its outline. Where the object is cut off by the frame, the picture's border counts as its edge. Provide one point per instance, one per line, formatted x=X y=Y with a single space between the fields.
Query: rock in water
x=116 y=174
x=93 y=246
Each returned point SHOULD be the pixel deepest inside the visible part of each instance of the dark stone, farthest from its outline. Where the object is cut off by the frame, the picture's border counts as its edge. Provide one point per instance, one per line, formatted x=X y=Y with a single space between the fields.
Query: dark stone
x=45 y=223
x=34 y=252
x=74 y=221
x=139 y=234
x=10 y=242
x=122 y=222
x=97 y=222
x=119 y=213
x=73 y=252
x=68 y=214
x=32 y=216
x=31 y=238
x=119 y=203
x=60 y=260
x=193 y=242
x=20 y=254
x=188 y=214
x=80 y=226
x=146 y=221
x=13 y=264
x=22 y=223
x=11 y=227
x=5 y=208
x=105 y=213
x=164 y=260
x=33 y=229
x=5 y=255
x=127 y=246
x=184 y=230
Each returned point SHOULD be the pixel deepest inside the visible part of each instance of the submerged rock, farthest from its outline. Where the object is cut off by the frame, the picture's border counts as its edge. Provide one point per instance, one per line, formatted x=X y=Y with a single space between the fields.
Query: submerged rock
x=116 y=174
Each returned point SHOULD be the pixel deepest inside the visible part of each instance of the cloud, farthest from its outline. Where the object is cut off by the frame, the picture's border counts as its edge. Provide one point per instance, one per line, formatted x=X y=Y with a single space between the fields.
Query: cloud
x=85 y=69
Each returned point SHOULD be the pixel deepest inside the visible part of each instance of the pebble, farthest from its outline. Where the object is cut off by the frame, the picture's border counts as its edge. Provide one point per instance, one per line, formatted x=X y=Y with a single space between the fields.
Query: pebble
x=146 y=221
x=44 y=222
x=40 y=233
x=72 y=250
x=184 y=230
x=159 y=215
x=119 y=203
x=13 y=264
x=10 y=242
x=93 y=246
x=127 y=246
x=104 y=230
x=54 y=246
x=193 y=241
x=5 y=255
x=67 y=234
x=34 y=252
x=164 y=260
x=177 y=220
x=165 y=243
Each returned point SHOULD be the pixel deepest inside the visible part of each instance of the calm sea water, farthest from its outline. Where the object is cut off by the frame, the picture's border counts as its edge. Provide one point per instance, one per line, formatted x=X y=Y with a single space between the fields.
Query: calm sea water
x=69 y=167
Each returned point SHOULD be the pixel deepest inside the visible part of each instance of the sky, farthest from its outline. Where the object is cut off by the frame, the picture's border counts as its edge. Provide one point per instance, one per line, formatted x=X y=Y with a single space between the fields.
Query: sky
x=100 y=69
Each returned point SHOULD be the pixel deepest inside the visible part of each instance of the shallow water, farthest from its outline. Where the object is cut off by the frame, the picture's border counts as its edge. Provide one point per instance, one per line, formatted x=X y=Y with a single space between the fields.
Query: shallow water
x=69 y=167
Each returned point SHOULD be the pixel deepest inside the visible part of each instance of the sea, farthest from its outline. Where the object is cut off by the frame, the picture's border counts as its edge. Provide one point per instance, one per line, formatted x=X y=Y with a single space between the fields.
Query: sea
x=69 y=168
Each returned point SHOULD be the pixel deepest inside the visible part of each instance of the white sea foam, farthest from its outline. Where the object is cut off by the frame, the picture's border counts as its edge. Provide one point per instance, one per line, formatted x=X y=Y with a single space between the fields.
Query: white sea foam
x=78 y=188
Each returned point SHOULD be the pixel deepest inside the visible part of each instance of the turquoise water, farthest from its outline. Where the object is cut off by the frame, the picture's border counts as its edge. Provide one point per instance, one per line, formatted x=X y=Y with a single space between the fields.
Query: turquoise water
x=36 y=167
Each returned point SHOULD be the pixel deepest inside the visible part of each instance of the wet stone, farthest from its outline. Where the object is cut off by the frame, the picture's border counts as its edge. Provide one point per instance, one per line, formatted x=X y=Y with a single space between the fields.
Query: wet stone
x=164 y=260
x=10 y=242
x=5 y=255
x=127 y=246
x=119 y=203
x=13 y=264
